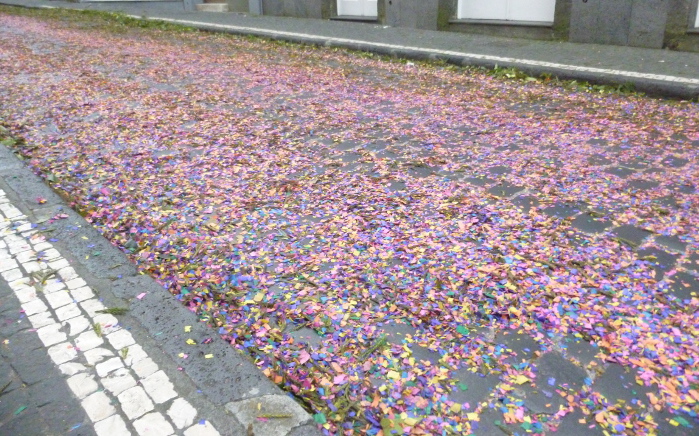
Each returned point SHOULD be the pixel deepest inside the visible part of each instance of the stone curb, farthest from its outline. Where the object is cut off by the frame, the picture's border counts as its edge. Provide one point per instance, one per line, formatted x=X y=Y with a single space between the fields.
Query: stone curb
x=218 y=386
x=652 y=87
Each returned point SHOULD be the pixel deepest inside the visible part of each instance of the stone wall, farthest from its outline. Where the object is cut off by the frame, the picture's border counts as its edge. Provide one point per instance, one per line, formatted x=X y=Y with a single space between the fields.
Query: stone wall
x=416 y=14
x=294 y=8
x=639 y=23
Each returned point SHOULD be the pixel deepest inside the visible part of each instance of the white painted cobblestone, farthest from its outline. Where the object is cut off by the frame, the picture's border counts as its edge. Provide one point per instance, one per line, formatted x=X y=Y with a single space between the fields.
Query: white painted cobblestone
x=159 y=387
x=135 y=402
x=62 y=306
x=145 y=367
x=98 y=406
x=202 y=430
x=59 y=299
x=67 y=312
x=41 y=320
x=58 y=264
x=51 y=334
x=120 y=339
x=153 y=424
x=112 y=426
x=62 y=353
x=82 y=294
x=87 y=341
x=118 y=381
x=82 y=384
x=76 y=283
x=12 y=274
x=92 y=306
x=72 y=368
x=182 y=413
x=108 y=366
x=33 y=307
x=97 y=355
x=77 y=325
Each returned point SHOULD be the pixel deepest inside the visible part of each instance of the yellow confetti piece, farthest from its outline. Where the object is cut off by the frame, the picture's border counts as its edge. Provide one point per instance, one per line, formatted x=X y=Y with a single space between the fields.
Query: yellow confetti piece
x=187 y=328
x=393 y=375
x=209 y=356
x=181 y=355
x=455 y=408
x=191 y=342
x=258 y=297
x=520 y=379
x=472 y=416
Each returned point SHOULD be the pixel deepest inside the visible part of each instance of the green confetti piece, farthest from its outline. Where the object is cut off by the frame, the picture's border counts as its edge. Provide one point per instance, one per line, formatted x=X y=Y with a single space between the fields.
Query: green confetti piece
x=21 y=409
x=320 y=418
x=463 y=330
x=463 y=386
x=682 y=421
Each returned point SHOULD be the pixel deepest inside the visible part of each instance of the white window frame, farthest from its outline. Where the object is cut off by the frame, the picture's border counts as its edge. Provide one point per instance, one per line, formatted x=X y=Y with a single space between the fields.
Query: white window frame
x=364 y=8
x=508 y=8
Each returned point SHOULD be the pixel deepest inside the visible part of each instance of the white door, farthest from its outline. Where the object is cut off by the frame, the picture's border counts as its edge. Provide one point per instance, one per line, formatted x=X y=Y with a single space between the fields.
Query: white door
x=359 y=8
x=508 y=10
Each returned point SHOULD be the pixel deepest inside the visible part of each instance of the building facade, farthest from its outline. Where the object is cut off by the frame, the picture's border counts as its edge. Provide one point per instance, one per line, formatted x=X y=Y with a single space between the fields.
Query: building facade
x=672 y=24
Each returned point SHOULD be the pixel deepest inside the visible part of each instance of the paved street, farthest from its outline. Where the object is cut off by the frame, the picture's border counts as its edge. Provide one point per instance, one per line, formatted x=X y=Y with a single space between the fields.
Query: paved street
x=406 y=247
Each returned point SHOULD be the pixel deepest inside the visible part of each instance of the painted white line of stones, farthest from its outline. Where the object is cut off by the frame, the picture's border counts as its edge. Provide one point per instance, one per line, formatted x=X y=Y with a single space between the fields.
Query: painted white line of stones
x=263 y=31
x=111 y=374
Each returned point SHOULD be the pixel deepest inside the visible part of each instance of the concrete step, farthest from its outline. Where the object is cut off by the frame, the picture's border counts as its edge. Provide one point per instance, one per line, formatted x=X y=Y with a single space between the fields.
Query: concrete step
x=212 y=7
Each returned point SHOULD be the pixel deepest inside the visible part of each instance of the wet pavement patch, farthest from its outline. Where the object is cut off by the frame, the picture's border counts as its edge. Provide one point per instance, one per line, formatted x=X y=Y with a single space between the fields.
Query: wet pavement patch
x=580 y=350
x=472 y=387
x=571 y=425
x=619 y=384
x=660 y=261
x=564 y=210
x=479 y=181
x=526 y=202
x=671 y=242
x=630 y=235
x=588 y=224
x=642 y=185
x=620 y=172
x=505 y=190
x=521 y=345
x=683 y=285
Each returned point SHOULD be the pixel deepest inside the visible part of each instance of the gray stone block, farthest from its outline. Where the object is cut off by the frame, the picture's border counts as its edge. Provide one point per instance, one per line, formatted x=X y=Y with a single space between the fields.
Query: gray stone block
x=579 y=350
x=673 y=243
x=565 y=210
x=660 y=261
x=472 y=387
x=684 y=286
x=570 y=425
x=505 y=190
x=247 y=412
x=648 y=22
x=631 y=234
x=618 y=383
x=586 y=223
x=522 y=345
x=601 y=21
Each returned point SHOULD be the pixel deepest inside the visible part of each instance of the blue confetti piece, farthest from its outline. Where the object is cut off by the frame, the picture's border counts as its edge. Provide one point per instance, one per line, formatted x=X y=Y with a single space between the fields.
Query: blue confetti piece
x=552 y=381
x=202 y=422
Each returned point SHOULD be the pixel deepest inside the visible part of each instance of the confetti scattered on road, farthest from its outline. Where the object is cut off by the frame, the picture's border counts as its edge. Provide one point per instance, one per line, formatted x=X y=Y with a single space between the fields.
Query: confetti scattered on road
x=405 y=248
